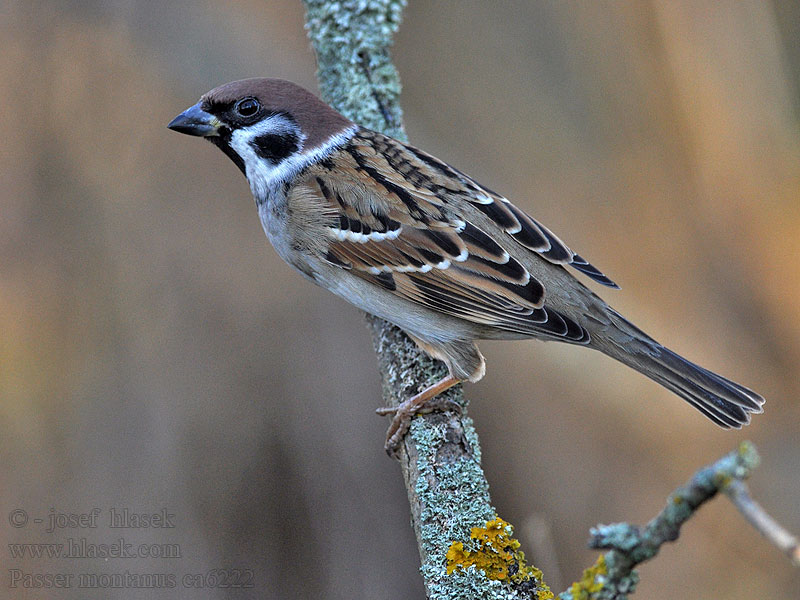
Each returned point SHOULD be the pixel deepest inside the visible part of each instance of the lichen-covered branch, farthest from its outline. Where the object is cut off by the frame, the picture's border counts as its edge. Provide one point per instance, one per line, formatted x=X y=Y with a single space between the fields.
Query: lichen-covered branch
x=613 y=577
x=440 y=457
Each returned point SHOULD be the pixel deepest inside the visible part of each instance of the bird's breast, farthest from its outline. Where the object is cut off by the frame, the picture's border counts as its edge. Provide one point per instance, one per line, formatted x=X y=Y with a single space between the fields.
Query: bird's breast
x=274 y=216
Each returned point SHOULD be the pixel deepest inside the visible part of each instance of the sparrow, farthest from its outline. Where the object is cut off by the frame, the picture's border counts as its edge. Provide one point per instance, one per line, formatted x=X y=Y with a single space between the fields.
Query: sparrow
x=413 y=240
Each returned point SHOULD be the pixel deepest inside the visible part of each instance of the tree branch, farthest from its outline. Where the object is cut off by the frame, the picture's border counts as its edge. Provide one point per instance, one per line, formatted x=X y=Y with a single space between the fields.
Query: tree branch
x=440 y=457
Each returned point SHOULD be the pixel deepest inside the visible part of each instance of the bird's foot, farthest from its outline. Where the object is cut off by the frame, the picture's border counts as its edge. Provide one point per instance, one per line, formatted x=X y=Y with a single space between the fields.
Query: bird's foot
x=424 y=402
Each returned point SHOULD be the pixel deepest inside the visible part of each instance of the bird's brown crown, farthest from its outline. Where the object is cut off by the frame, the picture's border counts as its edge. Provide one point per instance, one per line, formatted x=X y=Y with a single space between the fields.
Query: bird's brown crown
x=317 y=120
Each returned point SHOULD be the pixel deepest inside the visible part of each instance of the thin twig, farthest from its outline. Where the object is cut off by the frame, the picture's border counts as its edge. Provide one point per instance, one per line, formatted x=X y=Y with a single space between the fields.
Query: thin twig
x=739 y=494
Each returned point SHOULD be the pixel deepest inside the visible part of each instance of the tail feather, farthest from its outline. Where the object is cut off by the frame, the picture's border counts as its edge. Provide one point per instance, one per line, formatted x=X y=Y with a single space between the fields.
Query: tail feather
x=725 y=402
x=723 y=413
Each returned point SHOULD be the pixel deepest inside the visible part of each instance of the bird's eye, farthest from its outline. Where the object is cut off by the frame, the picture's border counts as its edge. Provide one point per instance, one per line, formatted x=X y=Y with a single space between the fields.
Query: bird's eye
x=247 y=107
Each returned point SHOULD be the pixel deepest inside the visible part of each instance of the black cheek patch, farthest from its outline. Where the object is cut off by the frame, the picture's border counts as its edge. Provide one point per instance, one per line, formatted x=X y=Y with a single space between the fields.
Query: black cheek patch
x=275 y=147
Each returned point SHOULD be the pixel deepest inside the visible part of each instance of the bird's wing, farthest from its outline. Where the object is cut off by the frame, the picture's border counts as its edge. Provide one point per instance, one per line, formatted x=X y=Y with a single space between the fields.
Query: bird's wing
x=391 y=219
x=429 y=175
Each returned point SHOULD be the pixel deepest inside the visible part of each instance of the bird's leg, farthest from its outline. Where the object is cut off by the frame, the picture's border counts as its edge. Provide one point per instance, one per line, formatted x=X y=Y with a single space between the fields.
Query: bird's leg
x=407 y=409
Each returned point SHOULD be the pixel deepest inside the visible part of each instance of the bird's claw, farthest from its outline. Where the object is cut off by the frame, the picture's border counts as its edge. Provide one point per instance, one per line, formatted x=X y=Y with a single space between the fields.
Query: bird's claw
x=404 y=413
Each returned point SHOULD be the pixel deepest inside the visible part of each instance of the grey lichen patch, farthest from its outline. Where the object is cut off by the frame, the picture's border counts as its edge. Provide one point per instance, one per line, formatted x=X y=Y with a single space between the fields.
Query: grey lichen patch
x=468 y=583
x=471 y=437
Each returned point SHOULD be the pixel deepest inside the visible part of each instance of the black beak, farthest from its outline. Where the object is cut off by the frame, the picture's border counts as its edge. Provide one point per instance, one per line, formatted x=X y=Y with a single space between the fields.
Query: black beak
x=195 y=121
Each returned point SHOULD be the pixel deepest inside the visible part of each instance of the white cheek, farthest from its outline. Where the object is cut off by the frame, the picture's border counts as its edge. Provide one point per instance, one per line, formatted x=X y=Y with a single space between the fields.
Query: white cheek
x=264 y=174
x=261 y=174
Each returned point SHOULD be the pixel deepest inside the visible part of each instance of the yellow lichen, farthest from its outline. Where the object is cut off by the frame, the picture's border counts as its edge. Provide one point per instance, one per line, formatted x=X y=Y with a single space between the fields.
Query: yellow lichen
x=544 y=593
x=456 y=557
x=591 y=582
x=497 y=554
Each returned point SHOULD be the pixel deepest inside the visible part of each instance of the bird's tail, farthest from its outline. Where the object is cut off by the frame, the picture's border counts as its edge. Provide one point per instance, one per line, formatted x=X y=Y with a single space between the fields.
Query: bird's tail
x=723 y=401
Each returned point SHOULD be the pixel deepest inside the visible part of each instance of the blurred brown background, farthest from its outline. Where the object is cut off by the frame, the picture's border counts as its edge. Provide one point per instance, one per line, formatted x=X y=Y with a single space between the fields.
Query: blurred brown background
x=156 y=353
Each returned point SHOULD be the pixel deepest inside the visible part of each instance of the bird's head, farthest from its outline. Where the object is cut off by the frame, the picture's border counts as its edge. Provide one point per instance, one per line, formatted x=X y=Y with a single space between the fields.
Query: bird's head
x=269 y=127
